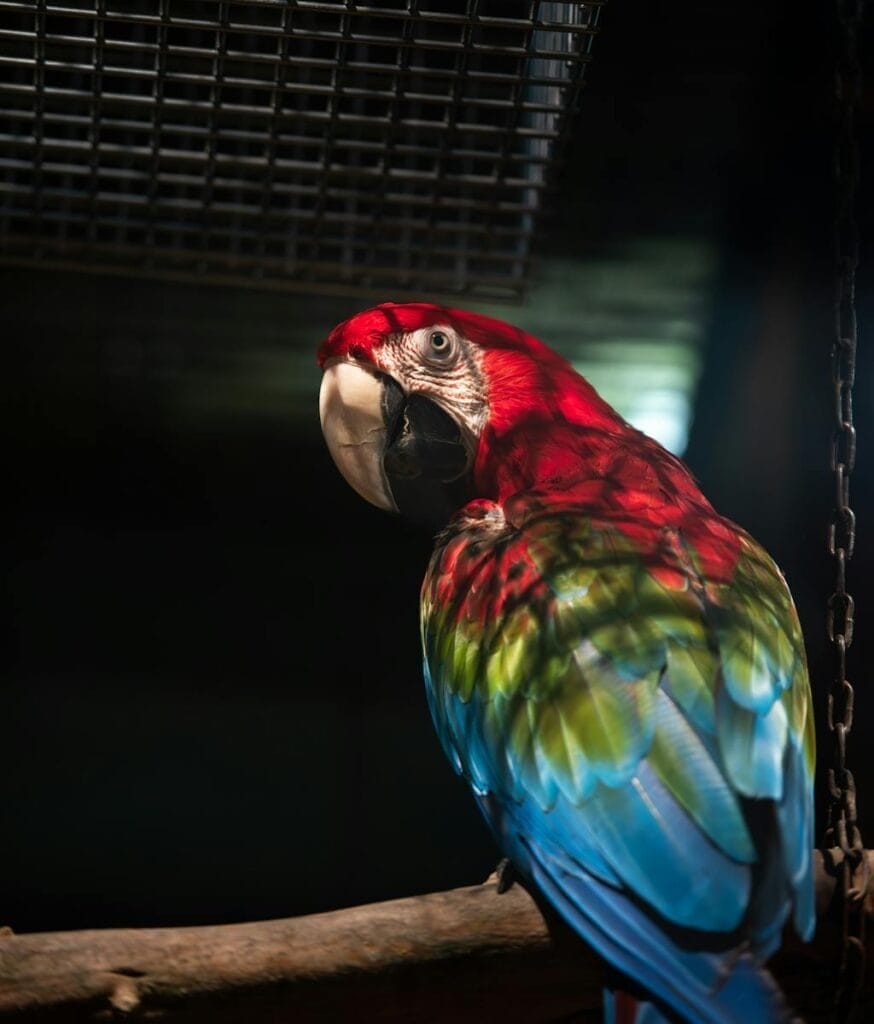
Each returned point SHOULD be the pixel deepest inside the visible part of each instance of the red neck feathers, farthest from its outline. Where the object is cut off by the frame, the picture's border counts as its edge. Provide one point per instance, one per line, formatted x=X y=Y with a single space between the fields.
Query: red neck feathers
x=551 y=438
x=546 y=423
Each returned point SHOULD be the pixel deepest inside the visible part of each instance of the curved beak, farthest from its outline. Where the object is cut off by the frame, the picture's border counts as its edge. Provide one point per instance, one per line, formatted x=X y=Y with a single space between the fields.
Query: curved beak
x=401 y=452
x=350 y=410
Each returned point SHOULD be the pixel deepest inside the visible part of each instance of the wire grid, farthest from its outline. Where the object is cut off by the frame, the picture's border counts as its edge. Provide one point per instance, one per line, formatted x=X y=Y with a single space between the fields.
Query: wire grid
x=332 y=146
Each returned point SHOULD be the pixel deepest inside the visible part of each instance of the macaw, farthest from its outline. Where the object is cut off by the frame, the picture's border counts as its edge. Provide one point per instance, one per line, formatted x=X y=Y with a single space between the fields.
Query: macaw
x=616 y=670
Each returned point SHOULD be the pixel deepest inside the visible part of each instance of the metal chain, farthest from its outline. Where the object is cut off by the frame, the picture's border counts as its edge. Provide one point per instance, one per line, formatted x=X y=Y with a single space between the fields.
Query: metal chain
x=844 y=850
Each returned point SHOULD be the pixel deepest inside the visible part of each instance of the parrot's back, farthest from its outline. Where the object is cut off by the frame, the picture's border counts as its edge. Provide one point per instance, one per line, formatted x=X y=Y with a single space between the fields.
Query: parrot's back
x=631 y=709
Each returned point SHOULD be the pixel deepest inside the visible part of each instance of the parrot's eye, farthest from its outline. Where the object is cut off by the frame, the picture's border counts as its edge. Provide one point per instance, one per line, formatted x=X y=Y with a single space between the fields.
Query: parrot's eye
x=438 y=347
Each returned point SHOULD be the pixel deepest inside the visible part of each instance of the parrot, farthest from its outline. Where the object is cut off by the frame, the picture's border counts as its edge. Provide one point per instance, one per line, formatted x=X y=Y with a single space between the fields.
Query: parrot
x=616 y=670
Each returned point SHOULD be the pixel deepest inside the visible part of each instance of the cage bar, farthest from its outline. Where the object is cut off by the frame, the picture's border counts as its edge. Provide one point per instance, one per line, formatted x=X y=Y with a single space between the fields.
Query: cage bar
x=402 y=144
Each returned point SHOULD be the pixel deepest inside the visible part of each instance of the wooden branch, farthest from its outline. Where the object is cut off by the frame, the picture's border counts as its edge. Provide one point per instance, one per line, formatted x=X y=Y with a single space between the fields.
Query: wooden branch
x=465 y=955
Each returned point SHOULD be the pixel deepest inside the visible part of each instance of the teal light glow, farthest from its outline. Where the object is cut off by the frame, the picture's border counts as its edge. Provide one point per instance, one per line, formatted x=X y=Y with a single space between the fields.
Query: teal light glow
x=631 y=322
x=651 y=384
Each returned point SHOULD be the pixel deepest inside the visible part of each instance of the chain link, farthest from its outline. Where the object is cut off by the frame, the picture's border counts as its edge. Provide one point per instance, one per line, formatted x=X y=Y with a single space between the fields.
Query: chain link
x=844 y=851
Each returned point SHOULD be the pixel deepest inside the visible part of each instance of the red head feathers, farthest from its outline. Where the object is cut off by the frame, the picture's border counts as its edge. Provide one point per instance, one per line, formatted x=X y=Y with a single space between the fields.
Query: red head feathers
x=360 y=335
x=523 y=375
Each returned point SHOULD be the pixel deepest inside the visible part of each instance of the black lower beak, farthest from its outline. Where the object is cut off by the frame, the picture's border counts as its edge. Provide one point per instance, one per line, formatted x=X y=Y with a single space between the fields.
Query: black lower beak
x=426 y=461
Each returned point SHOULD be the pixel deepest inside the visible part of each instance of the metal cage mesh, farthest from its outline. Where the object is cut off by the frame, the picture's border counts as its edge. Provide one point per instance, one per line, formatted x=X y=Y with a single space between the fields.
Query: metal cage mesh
x=401 y=144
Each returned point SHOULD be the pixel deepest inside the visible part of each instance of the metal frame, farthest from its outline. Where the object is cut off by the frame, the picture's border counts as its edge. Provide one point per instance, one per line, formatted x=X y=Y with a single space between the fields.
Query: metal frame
x=401 y=145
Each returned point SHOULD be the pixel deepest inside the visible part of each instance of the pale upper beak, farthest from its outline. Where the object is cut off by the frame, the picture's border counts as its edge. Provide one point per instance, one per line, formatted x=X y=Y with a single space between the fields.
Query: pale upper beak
x=350 y=410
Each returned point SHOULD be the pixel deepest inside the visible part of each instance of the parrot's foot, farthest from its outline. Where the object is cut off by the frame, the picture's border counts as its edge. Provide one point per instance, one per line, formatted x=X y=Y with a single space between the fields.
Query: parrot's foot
x=506 y=875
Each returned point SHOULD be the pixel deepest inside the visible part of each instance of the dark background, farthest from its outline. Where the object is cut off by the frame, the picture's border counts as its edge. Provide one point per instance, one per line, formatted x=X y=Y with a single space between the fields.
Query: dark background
x=213 y=708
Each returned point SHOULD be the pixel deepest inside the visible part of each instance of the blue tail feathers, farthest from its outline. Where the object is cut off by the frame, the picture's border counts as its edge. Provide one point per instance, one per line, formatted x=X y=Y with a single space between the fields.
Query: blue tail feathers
x=749 y=996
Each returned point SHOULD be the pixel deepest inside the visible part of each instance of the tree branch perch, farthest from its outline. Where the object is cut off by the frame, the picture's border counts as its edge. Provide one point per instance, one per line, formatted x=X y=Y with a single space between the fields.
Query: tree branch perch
x=464 y=955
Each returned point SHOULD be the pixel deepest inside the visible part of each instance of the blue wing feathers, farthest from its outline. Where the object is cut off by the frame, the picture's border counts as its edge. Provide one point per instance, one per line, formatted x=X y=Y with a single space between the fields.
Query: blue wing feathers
x=795 y=814
x=701 y=787
x=682 y=874
x=752 y=746
x=706 y=988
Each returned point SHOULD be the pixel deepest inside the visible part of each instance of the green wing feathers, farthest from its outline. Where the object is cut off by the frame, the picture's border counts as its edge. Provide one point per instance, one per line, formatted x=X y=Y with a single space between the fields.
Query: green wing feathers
x=579 y=656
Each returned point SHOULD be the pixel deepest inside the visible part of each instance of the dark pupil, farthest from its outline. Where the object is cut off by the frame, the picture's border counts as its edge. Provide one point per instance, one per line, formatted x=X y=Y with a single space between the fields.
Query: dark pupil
x=439 y=341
